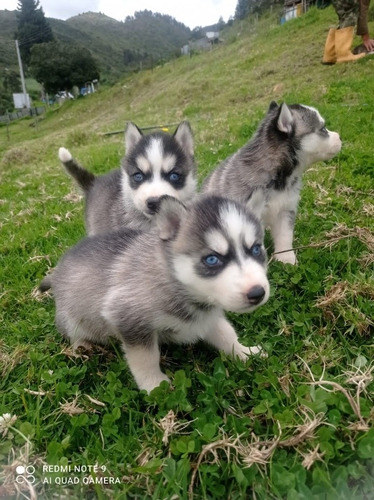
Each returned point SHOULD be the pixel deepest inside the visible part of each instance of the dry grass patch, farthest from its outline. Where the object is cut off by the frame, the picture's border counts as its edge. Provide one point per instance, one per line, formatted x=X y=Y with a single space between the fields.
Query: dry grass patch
x=341 y=301
x=10 y=358
x=259 y=452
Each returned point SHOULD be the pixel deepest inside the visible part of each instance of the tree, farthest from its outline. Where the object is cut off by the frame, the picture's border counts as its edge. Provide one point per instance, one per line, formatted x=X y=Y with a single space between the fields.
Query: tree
x=32 y=27
x=221 y=24
x=6 y=101
x=11 y=81
x=60 y=66
x=8 y=85
x=197 y=33
x=242 y=9
x=83 y=66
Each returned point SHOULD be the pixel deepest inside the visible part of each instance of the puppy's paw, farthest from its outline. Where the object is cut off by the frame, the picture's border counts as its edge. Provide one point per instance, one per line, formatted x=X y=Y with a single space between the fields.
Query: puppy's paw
x=150 y=383
x=81 y=345
x=256 y=350
x=286 y=258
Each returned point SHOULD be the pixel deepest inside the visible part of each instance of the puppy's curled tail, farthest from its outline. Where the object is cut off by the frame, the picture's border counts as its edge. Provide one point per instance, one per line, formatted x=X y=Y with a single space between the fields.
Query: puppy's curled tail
x=46 y=284
x=83 y=177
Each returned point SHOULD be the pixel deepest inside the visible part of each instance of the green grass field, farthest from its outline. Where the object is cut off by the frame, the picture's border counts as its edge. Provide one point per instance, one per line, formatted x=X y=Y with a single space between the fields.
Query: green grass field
x=297 y=425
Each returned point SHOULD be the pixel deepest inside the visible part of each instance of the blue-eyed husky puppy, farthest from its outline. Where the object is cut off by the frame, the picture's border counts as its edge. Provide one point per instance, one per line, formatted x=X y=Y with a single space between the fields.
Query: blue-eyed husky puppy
x=265 y=174
x=154 y=165
x=169 y=284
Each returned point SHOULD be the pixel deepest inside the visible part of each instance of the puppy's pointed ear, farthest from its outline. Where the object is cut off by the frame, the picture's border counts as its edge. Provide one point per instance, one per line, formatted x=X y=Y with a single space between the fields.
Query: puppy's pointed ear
x=285 y=121
x=170 y=213
x=132 y=136
x=272 y=105
x=183 y=135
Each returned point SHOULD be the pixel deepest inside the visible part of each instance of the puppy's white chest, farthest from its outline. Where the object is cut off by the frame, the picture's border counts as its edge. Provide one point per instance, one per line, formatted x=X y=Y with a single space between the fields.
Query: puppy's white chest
x=287 y=198
x=173 y=329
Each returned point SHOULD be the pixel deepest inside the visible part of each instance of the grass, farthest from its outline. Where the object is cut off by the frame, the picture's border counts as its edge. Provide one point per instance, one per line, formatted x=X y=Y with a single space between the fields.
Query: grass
x=297 y=425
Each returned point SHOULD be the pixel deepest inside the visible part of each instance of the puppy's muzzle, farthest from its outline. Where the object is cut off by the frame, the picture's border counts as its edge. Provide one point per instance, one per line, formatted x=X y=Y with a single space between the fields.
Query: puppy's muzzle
x=255 y=295
x=152 y=205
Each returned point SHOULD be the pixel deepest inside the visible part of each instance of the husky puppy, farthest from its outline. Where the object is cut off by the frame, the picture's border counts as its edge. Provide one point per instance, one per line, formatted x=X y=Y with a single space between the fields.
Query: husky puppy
x=170 y=284
x=265 y=174
x=154 y=165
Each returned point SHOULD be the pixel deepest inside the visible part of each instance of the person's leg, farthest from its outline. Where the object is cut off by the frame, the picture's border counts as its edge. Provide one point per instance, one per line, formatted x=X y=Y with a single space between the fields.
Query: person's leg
x=329 y=54
x=347 y=12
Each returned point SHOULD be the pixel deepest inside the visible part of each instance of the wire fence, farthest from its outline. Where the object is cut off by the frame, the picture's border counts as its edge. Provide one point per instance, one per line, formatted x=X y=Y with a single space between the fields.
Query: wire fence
x=21 y=113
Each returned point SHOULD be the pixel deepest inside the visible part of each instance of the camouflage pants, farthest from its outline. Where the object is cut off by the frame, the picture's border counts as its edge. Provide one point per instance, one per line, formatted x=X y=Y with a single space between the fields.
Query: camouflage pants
x=347 y=11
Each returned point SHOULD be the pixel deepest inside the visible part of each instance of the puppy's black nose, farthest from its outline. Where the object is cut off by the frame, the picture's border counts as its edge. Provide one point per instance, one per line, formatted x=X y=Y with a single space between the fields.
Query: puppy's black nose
x=255 y=295
x=153 y=204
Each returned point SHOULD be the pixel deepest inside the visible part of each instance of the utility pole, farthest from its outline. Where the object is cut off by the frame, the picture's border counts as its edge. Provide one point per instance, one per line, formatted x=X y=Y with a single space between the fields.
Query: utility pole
x=25 y=99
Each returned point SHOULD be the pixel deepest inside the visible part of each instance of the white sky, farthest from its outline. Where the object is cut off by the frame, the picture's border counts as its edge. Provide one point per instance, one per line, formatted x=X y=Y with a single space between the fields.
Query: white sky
x=190 y=12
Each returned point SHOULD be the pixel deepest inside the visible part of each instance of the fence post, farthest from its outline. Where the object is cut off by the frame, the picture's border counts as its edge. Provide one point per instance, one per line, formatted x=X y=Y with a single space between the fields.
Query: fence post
x=7 y=126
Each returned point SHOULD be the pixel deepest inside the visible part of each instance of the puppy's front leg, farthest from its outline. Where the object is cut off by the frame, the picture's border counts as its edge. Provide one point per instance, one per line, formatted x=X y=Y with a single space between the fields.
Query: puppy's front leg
x=223 y=337
x=144 y=363
x=282 y=232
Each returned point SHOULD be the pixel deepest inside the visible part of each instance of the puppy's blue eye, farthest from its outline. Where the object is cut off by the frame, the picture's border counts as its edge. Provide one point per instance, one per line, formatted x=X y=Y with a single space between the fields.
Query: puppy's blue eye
x=324 y=130
x=138 y=177
x=212 y=261
x=174 y=177
x=256 y=250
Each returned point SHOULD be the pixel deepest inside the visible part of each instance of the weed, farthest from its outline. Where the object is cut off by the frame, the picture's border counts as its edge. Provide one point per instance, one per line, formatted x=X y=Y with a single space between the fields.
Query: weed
x=78 y=137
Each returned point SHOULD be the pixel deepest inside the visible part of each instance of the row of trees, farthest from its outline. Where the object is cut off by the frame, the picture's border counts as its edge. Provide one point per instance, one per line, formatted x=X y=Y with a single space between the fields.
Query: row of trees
x=246 y=7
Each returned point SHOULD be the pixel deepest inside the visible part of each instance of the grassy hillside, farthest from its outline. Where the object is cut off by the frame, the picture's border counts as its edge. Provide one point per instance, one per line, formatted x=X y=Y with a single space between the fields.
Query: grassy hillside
x=297 y=425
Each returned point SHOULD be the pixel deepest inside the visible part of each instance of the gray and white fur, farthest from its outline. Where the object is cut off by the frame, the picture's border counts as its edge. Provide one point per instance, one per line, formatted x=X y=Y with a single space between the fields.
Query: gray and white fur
x=154 y=165
x=170 y=284
x=265 y=174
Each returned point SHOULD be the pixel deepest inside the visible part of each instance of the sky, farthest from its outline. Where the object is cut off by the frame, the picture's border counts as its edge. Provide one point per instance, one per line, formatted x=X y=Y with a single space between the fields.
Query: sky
x=192 y=13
